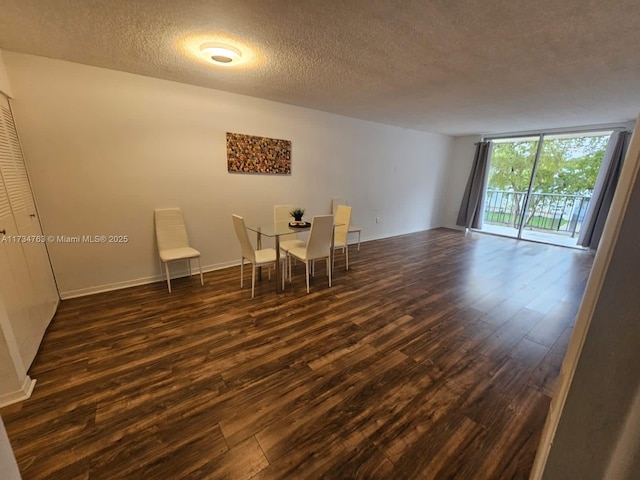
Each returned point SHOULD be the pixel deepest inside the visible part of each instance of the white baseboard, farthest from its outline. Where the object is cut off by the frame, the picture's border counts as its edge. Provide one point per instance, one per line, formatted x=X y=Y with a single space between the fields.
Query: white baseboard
x=82 y=292
x=19 y=395
x=354 y=241
x=454 y=227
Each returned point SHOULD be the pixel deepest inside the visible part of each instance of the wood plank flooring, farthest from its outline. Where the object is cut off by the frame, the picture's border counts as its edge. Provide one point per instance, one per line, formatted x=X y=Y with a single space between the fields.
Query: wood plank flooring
x=433 y=357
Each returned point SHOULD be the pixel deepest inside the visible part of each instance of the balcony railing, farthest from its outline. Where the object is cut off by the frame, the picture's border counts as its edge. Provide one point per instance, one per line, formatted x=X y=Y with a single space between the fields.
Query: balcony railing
x=547 y=211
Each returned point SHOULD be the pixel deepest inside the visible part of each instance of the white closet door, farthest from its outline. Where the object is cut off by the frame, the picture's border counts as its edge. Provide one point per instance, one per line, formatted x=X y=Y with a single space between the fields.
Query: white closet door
x=15 y=288
x=14 y=173
x=30 y=266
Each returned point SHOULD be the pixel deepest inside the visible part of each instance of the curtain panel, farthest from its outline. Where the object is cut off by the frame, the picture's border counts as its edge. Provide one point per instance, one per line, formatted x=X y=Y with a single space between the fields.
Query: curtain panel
x=470 y=214
x=604 y=190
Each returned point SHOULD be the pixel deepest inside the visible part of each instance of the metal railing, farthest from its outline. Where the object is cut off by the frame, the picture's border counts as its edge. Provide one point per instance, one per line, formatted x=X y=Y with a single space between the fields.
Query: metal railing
x=549 y=212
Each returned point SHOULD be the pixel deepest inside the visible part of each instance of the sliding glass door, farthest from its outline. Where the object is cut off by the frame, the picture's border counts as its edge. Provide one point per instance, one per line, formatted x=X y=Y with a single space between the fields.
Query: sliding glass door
x=539 y=187
x=512 y=163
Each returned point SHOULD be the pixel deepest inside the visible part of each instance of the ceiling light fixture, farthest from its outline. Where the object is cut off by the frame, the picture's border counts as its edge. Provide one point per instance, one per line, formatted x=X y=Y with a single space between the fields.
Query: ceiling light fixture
x=220 y=54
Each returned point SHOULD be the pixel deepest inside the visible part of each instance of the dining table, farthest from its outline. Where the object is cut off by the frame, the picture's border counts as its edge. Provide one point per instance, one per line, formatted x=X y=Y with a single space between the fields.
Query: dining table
x=275 y=230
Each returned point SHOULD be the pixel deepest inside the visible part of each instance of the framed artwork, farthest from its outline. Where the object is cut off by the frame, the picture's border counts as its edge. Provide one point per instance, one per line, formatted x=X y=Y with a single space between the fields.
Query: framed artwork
x=251 y=154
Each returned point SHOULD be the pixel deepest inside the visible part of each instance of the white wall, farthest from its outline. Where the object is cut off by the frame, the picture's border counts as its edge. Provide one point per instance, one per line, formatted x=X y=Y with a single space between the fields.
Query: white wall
x=460 y=163
x=10 y=378
x=8 y=465
x=104 y=148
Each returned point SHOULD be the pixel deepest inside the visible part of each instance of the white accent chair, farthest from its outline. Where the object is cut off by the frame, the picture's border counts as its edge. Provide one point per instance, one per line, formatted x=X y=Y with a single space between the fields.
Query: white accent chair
x=257 y=258
x=334 y=207
x=342 y=217
x=173 y=242
x=318 y=245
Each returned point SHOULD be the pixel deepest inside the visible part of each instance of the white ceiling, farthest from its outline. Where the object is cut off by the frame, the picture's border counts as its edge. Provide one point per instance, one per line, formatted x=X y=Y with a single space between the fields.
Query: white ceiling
x=447 y=66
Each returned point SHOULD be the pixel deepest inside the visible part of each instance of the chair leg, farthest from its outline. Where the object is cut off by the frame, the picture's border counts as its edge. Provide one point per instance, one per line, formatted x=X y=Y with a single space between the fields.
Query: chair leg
x=306 y=270
x=200 y=268
x=359 y=232
x=329 y=270
x=253 y=279
x=346 y=256
x=241 y=272
x=333 y=257
x=166 y=269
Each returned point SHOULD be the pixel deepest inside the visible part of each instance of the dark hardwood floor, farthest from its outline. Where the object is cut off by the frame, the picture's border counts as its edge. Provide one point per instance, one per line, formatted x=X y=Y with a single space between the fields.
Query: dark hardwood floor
x=433 y=357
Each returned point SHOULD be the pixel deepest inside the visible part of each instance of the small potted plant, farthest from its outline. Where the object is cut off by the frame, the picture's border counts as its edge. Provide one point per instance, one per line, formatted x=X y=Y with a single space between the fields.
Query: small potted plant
x=297 y=214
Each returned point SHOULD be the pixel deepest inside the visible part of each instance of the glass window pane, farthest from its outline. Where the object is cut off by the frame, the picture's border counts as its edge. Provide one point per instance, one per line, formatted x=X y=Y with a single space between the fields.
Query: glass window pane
x=564 y=180
x=509 y=177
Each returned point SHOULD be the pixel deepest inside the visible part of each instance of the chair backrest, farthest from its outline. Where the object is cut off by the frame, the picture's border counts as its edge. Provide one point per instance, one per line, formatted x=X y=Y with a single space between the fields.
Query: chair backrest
x=243 y=237
x=319 y=242
x=335 y=202
x=342 y=218
x=170 y=229
x=281 y=214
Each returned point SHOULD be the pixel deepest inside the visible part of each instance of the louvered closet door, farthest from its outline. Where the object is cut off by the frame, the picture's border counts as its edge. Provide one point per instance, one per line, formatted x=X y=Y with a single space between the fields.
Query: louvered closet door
x=43 y=296
x=14 y=173
x=16 y=289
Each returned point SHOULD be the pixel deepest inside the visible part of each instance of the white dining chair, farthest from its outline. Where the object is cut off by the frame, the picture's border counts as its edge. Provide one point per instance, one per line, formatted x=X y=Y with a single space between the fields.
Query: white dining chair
x=352 y=229
x=342 y=217
x=257 y=258
x=318 y=245
x=173 y=242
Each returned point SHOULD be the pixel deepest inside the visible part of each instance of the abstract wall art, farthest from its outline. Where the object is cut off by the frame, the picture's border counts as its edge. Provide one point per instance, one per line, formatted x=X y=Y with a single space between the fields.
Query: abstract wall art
x=251 y=154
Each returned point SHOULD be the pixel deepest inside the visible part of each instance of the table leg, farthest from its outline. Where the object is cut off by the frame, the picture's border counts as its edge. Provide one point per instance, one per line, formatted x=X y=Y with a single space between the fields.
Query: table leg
x=332 y=252
x=259 y=247
x=278 y=269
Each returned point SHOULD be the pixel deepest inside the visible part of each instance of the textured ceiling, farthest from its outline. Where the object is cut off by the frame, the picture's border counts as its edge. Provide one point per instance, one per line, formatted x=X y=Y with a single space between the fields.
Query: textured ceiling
x=448 y=66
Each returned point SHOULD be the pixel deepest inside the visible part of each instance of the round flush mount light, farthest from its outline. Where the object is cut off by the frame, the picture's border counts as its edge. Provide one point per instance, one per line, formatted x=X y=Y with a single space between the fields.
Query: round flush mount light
x=220 y=54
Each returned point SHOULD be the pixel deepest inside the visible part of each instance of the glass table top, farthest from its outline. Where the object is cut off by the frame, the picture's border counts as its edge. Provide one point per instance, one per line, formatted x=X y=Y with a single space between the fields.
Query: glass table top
x=276 y=229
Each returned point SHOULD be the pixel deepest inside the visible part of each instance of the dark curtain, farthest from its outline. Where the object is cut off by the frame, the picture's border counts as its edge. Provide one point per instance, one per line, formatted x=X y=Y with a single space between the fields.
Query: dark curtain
x=605 y=188
x=470 y=215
